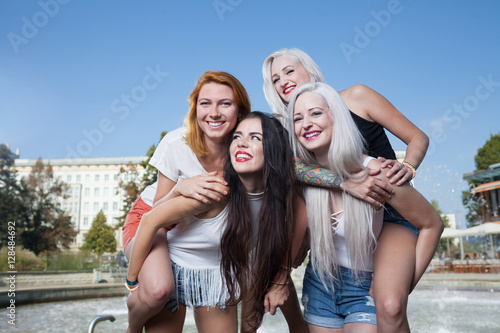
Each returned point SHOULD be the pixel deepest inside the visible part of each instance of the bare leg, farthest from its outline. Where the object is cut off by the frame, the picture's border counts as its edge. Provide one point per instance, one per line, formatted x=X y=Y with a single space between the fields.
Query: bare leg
x=320 y=329
x=212 y=319
x=156 y=284
x=394 y=266
x=166 y=321
x=360 y=328
x=292 y=312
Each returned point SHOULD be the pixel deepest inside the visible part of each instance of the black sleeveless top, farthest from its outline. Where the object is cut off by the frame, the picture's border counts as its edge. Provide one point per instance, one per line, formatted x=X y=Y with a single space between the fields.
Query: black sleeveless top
x=376 y=141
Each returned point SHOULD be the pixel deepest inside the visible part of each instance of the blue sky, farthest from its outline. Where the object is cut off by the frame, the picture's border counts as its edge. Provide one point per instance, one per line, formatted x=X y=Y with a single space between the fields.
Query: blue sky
x=104 y=78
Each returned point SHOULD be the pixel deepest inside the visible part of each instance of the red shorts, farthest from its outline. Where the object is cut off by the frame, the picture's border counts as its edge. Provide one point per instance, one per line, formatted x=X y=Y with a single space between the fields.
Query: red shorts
x=133 y=219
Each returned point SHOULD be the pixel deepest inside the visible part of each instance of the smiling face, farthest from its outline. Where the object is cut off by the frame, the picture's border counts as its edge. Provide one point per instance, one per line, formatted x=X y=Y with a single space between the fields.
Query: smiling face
x=216 y=110
x=247 y=150
x=313 y=124
x=287 y=74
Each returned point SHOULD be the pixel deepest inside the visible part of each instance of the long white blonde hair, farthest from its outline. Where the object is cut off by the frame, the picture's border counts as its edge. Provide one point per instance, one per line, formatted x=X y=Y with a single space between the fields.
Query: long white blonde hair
x=344 y=158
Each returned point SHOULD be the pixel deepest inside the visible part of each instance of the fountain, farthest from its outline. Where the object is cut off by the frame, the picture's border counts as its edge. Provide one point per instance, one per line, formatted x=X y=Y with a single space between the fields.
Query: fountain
x=429 y=310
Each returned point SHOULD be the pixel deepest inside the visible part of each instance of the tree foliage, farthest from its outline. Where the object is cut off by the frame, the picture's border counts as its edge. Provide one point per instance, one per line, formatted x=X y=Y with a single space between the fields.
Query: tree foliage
x=47 y=227
x=131 y=186
x=12 y=207
x=446 y=221
x=489 y=153
x=101 y=237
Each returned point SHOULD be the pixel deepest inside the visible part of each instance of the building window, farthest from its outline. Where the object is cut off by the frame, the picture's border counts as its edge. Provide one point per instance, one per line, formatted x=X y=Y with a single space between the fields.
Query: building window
x=85 y=221
x=105 y=206
x=78 y=178
x=115 y=190
x=115 y=205
x=86 y=206
x=115 y=177
x=106 y=192
x=75 y=207
x=83 y=237
x=125 y=176
x=96 y=178
x=68 y=178
x=106 y=177
x=75 y=191
x=96 y=192
x=87 y=178
x=87 y=191
x=96 y=206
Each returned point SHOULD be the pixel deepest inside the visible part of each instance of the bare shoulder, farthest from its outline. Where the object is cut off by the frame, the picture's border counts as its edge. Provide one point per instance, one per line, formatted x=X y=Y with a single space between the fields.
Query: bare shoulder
x=357 y=92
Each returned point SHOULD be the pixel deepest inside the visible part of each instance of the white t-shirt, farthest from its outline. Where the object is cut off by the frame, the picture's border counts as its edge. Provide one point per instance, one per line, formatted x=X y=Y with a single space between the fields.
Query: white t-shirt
x=170 y=153
x=174 y=159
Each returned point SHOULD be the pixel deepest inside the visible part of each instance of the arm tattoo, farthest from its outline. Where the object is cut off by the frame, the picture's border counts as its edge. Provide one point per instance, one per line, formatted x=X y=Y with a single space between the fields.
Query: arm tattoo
x=316 y=176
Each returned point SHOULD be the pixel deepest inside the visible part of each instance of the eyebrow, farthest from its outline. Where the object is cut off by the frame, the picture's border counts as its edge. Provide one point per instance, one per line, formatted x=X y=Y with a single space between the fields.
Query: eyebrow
x=283 y=69
x=251 y=133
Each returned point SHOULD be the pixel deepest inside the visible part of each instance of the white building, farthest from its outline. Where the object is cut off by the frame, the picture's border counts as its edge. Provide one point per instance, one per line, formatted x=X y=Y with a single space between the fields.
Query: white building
x=93 y=186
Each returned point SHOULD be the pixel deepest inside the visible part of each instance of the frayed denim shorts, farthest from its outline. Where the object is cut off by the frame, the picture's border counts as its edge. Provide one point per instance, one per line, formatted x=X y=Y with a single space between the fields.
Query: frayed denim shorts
x=348 y=302
x=197 y=287
x=392 y=216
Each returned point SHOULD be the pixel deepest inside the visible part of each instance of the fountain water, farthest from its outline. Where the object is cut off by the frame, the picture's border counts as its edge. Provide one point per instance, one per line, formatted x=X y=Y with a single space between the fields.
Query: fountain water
x=440 y=311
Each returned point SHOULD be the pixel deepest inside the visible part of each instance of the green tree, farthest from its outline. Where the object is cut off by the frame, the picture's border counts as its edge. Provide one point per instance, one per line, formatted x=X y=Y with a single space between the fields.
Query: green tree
x=101 y=237
x=488 y=154
x=446 y=221
x=47 y=227
x=131 y=188
x=473 y=204
x=12 y=207
x=150 y=175
x=129 y=184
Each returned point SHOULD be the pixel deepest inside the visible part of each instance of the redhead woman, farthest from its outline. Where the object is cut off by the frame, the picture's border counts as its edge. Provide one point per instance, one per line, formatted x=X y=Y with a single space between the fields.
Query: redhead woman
x=344 y=229
x=190 y=161
x=285 y=71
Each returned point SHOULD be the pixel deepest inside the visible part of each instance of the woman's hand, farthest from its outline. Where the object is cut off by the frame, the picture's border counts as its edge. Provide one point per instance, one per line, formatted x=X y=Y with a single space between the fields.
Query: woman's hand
x=203 y=188
x=398 y=173
x=368 y=188
x=275 y=297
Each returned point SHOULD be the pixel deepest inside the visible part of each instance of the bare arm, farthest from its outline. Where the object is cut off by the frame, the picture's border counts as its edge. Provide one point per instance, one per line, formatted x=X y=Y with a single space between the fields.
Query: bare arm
x=164 y=214
x=371 y=105
x=416 y=209
x=204 y=188
x=366 y=188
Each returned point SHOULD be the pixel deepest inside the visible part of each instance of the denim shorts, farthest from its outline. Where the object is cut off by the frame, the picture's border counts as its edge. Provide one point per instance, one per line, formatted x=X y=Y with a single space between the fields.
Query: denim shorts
x=392 y=216
x=194 y=293
x=348 y=302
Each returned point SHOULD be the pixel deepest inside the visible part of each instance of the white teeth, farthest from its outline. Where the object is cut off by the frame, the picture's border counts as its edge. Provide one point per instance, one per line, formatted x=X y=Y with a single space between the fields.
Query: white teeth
x=246 y=156
x=309 y=135
x=214 y=124
x=289 y=89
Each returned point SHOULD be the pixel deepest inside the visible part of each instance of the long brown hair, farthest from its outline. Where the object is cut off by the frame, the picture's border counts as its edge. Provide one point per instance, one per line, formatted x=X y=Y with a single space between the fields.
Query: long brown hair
x=272 y=252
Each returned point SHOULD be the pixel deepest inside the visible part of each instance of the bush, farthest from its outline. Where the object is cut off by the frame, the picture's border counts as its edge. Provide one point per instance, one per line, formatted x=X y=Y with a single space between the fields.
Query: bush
x=25 y=260
x=71 y=261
